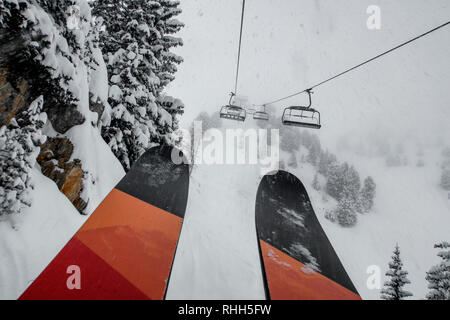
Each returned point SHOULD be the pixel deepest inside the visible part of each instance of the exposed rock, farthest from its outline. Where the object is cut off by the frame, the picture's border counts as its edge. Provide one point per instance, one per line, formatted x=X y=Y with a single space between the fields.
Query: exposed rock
x=13 y=98
x=68 y=175
x=62 y=117
x=14 y=88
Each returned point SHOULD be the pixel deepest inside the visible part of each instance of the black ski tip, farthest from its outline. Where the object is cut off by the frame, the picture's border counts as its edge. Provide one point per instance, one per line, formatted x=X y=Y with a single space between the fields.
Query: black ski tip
x=161 y=178
x=286 y=220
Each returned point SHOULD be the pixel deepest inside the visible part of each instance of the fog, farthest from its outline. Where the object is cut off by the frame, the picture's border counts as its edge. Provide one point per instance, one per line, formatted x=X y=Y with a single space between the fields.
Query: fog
x=291 y=45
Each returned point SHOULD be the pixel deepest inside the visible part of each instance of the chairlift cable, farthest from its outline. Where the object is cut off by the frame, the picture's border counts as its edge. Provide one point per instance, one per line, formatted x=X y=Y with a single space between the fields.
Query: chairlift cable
x=239 y=51
x=360 y=65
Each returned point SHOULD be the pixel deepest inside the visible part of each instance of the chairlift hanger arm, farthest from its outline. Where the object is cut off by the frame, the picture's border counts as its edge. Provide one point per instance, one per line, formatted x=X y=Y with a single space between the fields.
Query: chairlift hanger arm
x=309 y=91
x=232 y=95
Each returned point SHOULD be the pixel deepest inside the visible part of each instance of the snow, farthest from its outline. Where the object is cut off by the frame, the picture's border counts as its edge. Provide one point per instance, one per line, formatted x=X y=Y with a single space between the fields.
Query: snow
x=29 y=241
x=104 y=170
x=309 y=42
x=217 y=256
x=98 y=81
x=410 y=210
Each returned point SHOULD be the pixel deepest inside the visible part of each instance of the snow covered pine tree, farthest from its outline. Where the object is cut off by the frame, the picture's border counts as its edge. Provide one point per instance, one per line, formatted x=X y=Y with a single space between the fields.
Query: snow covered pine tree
x=345 y=212
x=343 y=180
x=316 y=183
x=393 y=288
x=439 y=276
x=368 y=194
x=136 y=46
x=19 y=146
x=58 y=57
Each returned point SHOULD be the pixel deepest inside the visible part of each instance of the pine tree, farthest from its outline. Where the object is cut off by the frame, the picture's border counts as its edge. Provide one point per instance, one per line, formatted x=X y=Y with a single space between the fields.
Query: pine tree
x=393 y=288
x=6 y=11
x=368 y=193
x=343 y=179
x=46 y=54
x=352 y=182
x=316 y=183
x=335 y=181
x=136 y=45
x=439 y=276
x=345 y=212
x=167 y=25
x=19 y=145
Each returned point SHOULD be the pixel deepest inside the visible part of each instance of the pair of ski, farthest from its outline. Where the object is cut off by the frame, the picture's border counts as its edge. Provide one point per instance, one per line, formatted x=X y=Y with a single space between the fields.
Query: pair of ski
x=126 y=249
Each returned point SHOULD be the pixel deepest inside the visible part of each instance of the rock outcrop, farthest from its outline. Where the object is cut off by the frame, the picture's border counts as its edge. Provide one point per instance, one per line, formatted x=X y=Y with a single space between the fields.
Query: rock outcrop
x=55 y=162
x=13 y=98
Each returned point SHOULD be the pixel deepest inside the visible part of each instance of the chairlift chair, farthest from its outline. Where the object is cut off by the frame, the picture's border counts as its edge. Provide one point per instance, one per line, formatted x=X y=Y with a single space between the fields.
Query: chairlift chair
x=251 y=110
x=233 y=112
x=300 y=116
x=261 y=115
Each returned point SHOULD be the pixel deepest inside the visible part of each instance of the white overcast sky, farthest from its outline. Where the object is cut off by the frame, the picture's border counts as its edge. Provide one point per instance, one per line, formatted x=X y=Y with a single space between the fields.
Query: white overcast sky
x=290 y=45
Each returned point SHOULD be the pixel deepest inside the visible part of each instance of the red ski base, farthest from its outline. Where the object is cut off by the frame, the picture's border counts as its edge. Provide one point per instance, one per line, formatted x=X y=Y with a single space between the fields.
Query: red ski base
x=124 y=251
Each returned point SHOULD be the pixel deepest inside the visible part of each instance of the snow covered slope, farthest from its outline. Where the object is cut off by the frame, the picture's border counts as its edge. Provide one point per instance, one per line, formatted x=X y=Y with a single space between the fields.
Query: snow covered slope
x=217 y=257
x=410 y=209
x=289 y=46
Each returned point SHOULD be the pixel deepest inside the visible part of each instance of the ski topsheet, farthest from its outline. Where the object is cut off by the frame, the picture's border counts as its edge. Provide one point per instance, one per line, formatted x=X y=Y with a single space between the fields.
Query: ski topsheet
x=297 y=258
x=126 y=248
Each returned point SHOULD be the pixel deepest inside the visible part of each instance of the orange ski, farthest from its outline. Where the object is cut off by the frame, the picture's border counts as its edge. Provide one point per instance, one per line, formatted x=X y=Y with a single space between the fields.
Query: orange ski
x=298 y=260
x=126 y=248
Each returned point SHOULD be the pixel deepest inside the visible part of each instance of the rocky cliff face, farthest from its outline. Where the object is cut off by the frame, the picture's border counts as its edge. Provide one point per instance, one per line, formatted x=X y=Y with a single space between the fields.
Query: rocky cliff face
x=17 y=91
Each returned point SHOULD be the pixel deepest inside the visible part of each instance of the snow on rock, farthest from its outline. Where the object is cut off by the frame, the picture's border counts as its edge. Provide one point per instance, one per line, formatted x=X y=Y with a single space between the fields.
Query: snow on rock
x=98 y=84
x=102 y=168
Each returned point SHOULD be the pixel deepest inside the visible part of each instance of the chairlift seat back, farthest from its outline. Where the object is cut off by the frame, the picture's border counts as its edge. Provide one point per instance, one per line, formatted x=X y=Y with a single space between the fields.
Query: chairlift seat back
x=261 y=116
x=232 y=112
x=302 y=117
